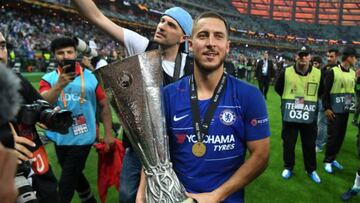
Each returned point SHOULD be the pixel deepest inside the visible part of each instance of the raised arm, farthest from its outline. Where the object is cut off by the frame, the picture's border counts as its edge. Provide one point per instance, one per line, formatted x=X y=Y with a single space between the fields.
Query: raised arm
x=91 y=12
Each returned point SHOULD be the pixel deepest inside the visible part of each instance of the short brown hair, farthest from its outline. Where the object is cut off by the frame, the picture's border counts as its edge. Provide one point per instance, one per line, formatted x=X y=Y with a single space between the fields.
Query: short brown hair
x=210 y=14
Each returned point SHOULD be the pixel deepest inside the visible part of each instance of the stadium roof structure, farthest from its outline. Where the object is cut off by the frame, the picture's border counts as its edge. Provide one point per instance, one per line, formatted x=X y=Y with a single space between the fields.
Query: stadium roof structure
x=335 y=12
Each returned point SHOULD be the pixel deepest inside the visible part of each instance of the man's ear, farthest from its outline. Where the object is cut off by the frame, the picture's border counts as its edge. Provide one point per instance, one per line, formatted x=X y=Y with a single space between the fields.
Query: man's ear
x=228 y=47
x=190 y=45
x=183 y=39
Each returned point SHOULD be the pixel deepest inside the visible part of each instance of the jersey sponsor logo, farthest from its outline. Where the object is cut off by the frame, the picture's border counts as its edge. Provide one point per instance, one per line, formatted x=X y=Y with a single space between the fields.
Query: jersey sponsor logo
x=213 y=139
x=259 y=121
x=219 y=142
x=227 y=117
x=179 y=118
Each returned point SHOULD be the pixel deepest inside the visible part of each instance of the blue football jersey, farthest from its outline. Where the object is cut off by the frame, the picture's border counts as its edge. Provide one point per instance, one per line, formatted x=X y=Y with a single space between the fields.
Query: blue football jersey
x=241 y=116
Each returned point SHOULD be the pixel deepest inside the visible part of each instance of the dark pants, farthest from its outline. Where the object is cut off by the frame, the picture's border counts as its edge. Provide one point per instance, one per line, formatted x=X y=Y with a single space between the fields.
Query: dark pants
x=129 y=177
x=264 y=83
x=336 y=135
x=45 y=186
x=72 y=160
x=289 y=136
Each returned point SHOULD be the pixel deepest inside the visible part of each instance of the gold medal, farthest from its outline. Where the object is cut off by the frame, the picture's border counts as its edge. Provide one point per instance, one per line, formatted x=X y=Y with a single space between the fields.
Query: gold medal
x=199 y=149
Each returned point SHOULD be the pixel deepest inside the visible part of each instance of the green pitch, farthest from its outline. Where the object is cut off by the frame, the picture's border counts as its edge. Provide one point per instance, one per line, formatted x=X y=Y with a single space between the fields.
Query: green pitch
x=270 y=187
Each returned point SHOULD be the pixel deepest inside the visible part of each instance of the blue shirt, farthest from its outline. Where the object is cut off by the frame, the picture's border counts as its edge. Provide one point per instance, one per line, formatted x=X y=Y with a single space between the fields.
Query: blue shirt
x=81 y=113
x=241 y=116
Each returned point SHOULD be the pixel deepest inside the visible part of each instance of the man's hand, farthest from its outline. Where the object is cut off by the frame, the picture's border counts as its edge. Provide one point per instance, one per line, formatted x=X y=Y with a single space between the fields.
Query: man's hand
x=8 y=191
x=206 y=197
x=330 y=114
x=109 y=141
x=65 y=78
x=22 y=152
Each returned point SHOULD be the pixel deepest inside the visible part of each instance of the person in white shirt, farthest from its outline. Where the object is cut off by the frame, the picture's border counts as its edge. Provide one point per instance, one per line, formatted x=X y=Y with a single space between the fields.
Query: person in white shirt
x=171 y=35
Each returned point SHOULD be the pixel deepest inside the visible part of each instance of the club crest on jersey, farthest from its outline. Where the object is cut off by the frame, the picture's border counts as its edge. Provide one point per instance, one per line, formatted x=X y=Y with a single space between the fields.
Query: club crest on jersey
x=227 y=117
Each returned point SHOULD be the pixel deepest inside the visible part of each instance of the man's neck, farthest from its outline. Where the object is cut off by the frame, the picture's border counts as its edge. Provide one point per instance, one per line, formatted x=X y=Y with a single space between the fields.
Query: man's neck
x=206 y=81
x=302 y=69
x=169 y=53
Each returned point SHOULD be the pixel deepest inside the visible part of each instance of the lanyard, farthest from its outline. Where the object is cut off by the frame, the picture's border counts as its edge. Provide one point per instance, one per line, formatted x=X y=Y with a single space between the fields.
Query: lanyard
x=202 y=128
x=82 y=89
x=177 y=66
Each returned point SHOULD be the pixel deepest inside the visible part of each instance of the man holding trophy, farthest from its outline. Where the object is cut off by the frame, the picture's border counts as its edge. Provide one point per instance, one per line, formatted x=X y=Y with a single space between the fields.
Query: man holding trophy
x=171 y=36
x=212 y=119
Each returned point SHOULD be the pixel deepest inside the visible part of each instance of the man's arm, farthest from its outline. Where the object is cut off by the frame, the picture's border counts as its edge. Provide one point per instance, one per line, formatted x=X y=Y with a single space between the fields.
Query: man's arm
x=140 y=195
x=279 y=84
x=252 y=168
x=51 y=94
x=106 y=119
x=89 y=10
x=328 y=83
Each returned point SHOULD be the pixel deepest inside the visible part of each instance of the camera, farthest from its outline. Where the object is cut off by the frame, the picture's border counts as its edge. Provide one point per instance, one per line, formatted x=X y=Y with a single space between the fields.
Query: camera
x=82 y=47
x=38 y=111
x=41 y=111
x=24 y=186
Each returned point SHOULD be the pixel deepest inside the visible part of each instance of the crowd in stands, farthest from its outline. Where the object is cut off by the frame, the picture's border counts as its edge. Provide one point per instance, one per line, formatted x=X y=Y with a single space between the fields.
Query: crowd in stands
x=31 y=32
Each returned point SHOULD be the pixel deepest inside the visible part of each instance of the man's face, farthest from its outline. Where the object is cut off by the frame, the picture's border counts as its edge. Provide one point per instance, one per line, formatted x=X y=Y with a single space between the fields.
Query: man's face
x=331 y=57
x=303 y=59
x=168 y=32
x=66 y=53
x=3 y=50
x=266 y=56
x=209 y=43
x=316 y=64
x=352 y=60
x=86 y=61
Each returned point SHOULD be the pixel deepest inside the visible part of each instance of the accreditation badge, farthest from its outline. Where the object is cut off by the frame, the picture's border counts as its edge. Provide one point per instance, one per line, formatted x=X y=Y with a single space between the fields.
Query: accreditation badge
x=79 y=125
x=299 y=103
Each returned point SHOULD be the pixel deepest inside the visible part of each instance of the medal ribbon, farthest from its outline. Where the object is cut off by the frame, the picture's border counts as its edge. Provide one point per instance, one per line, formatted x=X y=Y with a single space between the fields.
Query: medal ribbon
x=202 y=128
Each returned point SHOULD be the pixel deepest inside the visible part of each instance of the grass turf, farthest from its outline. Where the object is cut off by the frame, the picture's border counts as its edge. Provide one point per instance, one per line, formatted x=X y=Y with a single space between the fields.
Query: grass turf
x=269 y=187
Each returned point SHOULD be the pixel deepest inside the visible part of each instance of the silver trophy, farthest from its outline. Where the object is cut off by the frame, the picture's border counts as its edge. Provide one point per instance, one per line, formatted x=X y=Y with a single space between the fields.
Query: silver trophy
x=133 y=86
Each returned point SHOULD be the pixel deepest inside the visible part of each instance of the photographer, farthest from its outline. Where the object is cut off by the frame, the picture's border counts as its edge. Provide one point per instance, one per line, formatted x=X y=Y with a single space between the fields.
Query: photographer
x=9 y=105
x=28 y=143
x=74 y=88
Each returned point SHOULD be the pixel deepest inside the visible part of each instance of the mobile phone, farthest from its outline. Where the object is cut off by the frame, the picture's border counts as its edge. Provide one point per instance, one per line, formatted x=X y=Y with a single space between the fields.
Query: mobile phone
x=69 y=66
